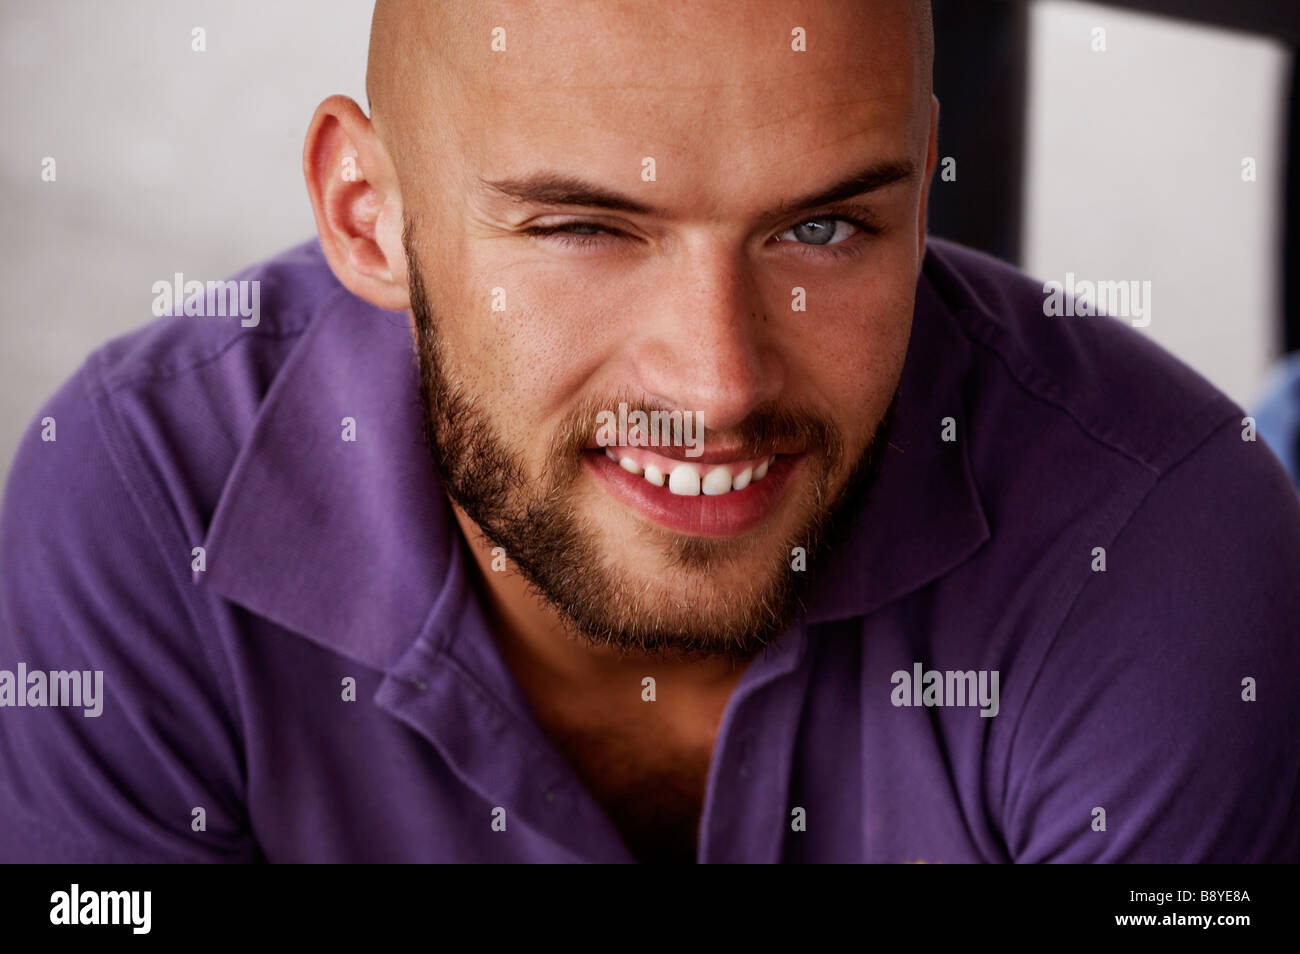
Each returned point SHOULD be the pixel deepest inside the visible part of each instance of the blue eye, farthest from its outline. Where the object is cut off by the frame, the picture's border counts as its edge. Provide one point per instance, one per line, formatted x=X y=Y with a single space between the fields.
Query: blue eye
x=819 y=231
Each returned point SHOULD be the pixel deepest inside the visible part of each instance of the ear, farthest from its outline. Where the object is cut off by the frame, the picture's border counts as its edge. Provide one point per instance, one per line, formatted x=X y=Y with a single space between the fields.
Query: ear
x=931 y=160
x=358 y=206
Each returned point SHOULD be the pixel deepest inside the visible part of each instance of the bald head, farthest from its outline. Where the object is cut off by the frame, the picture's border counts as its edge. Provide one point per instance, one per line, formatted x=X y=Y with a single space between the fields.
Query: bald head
x=415 y=44
x=423 y=54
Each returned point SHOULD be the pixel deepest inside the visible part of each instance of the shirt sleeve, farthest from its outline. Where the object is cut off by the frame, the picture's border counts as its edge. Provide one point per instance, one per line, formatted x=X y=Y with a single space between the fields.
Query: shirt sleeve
x=90 y=583
x=1169 y=698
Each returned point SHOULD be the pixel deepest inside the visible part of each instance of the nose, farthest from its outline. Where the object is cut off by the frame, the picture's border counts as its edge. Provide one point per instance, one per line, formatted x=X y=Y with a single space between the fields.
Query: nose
x=706 y=345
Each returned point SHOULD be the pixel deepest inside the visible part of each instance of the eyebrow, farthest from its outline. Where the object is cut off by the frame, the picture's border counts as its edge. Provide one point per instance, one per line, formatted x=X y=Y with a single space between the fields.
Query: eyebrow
x=554 y=188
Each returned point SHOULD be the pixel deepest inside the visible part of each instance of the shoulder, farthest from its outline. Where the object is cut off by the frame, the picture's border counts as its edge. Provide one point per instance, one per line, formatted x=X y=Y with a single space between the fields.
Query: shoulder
x=1090 y=409
x=1098 y=374
x=1157 y=548
x=1147 y=692
x=170 y=403
x=118 y=473
x=111 y=488
x=131 y=453
x=1083 y=430
x=1164 y=696
x=176 y=352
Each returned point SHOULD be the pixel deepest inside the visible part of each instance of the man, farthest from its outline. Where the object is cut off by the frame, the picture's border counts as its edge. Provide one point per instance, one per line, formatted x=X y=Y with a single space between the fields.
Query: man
x=919 y=573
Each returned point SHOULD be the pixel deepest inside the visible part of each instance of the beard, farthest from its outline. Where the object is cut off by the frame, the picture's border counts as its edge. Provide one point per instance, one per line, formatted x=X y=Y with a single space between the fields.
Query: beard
x=556 y=546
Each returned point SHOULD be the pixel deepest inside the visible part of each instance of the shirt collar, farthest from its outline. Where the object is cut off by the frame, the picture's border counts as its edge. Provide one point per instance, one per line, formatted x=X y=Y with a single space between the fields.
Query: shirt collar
x=349 y=543
x=353 y=543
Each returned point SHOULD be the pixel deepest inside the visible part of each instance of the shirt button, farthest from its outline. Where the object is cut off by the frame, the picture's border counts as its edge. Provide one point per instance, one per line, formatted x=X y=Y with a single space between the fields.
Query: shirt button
x=550 y=795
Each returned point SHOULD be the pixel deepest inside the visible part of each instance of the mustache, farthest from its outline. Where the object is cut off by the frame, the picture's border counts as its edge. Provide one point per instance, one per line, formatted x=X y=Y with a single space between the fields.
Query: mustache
x=771 y=427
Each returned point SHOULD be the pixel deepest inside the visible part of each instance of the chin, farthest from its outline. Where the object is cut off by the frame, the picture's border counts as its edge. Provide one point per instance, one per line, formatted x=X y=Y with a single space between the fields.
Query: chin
x=713 y=580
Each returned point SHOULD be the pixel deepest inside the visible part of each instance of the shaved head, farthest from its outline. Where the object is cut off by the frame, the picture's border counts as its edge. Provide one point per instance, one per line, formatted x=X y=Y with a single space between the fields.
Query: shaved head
x=417 y=51
x=422 y=52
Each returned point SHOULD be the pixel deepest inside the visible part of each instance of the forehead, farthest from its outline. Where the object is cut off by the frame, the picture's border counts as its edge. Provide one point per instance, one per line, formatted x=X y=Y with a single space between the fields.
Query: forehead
x=717 y=94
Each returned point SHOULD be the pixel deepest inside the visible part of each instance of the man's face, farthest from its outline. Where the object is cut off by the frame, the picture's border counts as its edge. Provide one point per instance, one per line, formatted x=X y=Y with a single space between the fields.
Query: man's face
x=783 y=327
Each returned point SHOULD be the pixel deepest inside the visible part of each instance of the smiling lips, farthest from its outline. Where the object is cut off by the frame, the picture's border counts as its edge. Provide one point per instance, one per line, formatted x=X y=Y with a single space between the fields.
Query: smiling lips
x=713 y=497
x=687 y=479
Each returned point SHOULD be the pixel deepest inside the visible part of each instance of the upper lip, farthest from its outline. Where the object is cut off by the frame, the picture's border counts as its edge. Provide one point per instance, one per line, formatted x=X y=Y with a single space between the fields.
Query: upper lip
x=712 y=455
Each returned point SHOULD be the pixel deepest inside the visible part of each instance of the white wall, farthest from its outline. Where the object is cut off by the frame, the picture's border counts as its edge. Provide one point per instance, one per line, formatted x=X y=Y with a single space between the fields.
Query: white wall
x=167 y=160
x=1134 y=172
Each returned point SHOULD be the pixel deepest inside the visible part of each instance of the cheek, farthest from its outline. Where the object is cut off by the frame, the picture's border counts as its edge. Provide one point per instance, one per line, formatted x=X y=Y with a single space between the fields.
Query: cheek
x=534 y=344
x=851 y=343
x=564 y=325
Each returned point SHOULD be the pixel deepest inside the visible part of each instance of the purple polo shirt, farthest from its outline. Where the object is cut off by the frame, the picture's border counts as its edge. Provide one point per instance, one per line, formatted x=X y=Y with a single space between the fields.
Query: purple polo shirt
x=1147 y=711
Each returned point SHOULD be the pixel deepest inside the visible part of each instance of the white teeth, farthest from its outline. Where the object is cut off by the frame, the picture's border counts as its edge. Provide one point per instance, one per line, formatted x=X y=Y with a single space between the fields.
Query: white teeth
x=684 y=481
x=717 y=482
